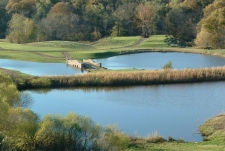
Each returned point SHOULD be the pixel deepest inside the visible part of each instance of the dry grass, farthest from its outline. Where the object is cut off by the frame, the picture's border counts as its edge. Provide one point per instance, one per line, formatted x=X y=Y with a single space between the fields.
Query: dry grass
x=127 y=78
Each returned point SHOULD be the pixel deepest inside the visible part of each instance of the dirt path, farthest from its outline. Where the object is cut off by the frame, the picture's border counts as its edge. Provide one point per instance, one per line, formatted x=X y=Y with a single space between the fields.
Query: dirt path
x=139 y=42
x=67 y=55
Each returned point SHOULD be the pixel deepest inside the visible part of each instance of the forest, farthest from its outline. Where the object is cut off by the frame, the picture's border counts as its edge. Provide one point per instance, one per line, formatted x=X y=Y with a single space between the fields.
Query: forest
x=188 y=22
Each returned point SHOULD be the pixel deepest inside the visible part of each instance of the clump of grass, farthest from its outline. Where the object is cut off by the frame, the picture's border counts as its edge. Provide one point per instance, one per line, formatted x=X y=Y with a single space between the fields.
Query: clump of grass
x=155 y=138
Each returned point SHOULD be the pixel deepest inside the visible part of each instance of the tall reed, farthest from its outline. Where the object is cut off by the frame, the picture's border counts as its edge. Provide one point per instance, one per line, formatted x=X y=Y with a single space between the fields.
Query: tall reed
x=126 y=78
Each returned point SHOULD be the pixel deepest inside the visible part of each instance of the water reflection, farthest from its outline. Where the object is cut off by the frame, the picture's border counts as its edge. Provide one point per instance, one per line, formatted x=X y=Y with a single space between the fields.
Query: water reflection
x=156 y=60
x=39 y=69
x=173 y=110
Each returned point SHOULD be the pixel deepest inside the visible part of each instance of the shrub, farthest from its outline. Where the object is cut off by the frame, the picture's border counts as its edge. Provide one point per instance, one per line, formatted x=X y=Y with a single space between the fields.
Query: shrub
x=40 y=82
x=168 y=65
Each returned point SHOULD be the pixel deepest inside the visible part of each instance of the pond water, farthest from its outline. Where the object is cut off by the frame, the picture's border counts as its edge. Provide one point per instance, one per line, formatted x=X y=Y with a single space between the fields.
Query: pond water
x=39 y=69
x=174 y=110
x=156 y=60
x=149 y=60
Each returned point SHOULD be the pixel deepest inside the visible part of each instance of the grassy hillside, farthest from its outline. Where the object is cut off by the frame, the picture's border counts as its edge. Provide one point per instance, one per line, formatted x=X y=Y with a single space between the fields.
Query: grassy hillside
x=116 y=42
x=63 y=44
x=155 y=41
x=51 y=51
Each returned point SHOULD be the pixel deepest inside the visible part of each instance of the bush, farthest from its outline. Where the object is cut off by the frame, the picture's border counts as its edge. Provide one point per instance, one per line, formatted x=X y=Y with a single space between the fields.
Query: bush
x=40 y=82
x=169 y=65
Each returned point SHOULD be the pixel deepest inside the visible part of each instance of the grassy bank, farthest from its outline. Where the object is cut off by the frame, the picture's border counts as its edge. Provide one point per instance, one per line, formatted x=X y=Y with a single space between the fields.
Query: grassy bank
x=51 y=51
x=213 y=131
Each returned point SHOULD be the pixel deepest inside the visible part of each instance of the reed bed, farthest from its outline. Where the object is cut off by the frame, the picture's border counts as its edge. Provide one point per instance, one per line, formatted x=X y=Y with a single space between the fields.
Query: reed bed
x=125 y=78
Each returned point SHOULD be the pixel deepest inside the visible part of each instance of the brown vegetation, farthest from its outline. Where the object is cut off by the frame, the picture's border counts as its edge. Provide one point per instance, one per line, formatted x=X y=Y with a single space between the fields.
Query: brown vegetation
x=125 y=78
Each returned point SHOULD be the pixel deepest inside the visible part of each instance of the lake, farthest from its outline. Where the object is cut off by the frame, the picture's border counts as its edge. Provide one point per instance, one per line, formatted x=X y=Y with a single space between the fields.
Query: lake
x=174 y=110
x=39 y=69
x=156 y=60
x=149 y=60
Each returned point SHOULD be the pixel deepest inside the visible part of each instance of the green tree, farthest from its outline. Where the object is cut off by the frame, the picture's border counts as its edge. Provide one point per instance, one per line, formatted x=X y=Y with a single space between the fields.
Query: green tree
x=22 y=29
x=168 y=65
x=44 y=6
x=72 y=132
x=180 y=26
x=124 y=16
x=4 y=18
x=18 y=125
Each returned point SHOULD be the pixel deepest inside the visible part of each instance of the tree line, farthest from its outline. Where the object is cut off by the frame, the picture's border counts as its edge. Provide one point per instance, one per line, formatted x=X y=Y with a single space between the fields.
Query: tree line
x=199 y=22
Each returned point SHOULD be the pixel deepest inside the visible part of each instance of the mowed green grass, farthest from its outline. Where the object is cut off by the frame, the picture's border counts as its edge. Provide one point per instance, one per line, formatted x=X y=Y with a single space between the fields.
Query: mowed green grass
x=103 y=48
x=47 y=46
x=27 y=56
x=116 y=42
x=49 y=51
x=175 y=146
x=63 y=44
x=79 y=55
x=155 y=41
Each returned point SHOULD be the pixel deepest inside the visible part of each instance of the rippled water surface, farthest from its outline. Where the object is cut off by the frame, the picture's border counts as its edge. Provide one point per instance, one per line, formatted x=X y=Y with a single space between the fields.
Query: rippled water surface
x=39 y=69
x=156 y=60
x=172 y=110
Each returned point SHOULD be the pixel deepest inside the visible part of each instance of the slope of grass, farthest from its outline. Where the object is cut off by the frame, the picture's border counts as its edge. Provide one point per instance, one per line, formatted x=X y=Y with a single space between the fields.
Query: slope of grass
x=79 y=55
x=116 y=42
x=174 y=146
x=106 y=47
x=26 y=47
x=155 y=41
x=27 y=56
x=62 y=44
x=214 y=129
x=55 y=54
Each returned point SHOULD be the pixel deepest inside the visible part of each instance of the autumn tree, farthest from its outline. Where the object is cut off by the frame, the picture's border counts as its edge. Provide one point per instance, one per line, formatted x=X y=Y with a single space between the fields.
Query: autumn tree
x=212 y=25
x=59 y=26
x=23 y=7
x=145 y=13
x=61 y=8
